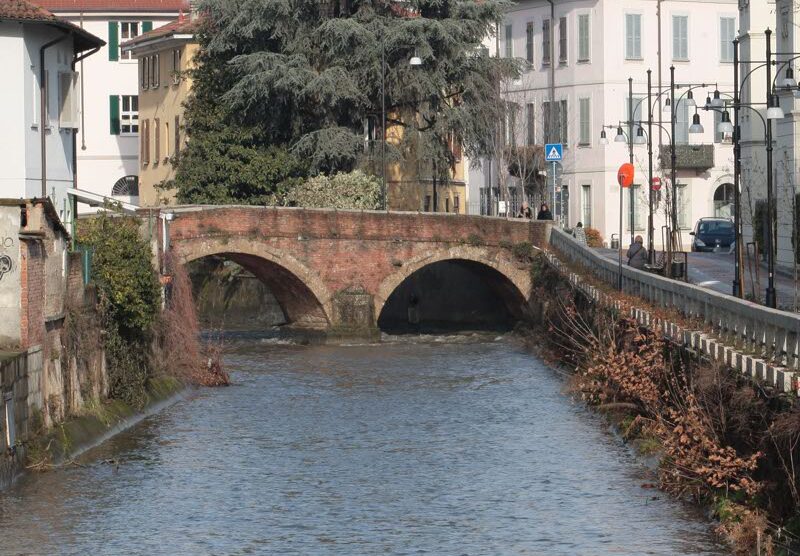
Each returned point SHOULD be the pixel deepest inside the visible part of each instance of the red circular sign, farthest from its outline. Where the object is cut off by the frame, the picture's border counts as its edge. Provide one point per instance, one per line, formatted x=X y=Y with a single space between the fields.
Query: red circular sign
x=656 y=184
x=625 y=175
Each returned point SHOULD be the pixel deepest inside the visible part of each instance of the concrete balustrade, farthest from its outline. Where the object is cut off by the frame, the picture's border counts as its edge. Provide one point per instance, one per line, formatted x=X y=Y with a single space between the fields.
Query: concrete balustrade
x=759 y=341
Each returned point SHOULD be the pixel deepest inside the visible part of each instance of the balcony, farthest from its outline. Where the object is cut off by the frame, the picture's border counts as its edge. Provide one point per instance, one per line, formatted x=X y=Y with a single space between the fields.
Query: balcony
x=688 y=157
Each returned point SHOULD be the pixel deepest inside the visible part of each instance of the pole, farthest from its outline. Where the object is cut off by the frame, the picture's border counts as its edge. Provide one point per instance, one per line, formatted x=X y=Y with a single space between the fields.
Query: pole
x=771 y=301
x=673 y=163
x=630 y=152
x=738 y=283
x=619 y=251
x=553 y=201
x=650 y=249
x=383 y=124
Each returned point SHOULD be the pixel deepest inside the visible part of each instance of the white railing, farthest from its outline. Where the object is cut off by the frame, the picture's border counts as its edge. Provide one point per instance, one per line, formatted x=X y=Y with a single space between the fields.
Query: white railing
x=752 y=328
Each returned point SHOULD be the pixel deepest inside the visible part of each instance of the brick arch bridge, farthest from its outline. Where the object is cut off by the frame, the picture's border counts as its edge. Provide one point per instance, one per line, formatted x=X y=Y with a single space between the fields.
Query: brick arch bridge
x=336 y=269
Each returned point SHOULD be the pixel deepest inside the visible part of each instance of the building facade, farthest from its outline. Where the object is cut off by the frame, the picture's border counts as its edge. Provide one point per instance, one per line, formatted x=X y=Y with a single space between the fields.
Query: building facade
x=109 y=137
x=577 y=58
x=164 y=56
x=40 y=54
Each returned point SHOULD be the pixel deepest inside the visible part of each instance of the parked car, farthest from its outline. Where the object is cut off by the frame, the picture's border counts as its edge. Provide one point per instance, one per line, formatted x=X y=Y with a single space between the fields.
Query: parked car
x=711 y=233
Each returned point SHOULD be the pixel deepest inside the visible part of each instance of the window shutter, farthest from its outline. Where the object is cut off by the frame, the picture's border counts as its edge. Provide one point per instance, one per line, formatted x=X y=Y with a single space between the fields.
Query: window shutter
x=113 y=102
x=113 y=41
x=147 y=26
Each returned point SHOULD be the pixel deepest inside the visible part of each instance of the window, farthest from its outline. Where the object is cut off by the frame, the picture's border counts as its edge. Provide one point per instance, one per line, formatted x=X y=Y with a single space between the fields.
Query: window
x=427 y=204
x=638 y=106
x=157 y=136
x=68 y=100
x=586 y=205
x=584 y=108
x=684 y=207
x=549 y=121
x=545 y=42
x=154 y=68
x=35 y=97
x=530 y=124
x=583 y=38
x=127 y=31
x=529 y=43
x=555 y=124
x=447 y=204
x=176 y=132
x=166 y=141
x=633 y=36
x=682 y=123
x=144 y=72
x=639 y=207
x=129 y=115
x=680 y=37
x=509 y=41
x=563 y=123
x=456 y=204
x=727 y=32
x=126 y=187
x=145 y=143
x=176 y=66
x=723 y=200
x=512 y=113
x=562 y=40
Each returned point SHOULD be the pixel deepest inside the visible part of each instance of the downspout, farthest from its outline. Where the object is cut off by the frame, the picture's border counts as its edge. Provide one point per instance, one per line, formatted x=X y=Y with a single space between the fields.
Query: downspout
x=83 y=121
x=43 y=124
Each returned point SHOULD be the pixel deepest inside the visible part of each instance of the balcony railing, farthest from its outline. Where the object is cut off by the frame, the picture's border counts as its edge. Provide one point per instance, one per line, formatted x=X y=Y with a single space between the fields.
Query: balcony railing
x=688 y=157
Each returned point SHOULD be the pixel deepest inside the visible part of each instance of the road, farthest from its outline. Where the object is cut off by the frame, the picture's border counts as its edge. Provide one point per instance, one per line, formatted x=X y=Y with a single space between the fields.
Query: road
x=715 y=271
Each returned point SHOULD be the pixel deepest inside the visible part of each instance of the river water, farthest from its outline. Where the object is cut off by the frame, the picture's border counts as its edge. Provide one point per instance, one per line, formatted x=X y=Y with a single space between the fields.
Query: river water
x=458 y=447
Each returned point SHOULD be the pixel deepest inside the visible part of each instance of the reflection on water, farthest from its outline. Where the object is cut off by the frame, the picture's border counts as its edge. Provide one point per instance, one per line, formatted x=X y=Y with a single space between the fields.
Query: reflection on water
x=458 y=447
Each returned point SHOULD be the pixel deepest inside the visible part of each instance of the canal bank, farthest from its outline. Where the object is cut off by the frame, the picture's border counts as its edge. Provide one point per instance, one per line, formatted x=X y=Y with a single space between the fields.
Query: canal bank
x=454 y=445
x=724 y=439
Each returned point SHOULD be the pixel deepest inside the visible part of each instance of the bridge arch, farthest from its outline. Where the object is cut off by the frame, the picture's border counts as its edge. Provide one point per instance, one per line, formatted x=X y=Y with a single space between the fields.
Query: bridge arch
x=512 y=282
x=301 y=293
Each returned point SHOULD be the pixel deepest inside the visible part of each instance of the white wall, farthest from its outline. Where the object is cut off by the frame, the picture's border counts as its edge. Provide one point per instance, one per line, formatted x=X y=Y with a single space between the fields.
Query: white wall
x=12 y=143
x=104 y=158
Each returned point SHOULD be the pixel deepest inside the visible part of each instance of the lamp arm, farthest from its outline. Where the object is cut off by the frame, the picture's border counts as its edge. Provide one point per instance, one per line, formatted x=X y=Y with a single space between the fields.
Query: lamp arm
x=780 y=68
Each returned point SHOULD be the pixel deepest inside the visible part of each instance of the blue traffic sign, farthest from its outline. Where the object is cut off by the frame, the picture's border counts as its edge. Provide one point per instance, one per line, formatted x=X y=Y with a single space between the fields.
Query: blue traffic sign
x=553 y=152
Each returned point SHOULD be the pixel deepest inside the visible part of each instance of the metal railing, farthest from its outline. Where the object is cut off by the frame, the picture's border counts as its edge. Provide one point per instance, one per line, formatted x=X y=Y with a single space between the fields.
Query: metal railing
x=751 y=328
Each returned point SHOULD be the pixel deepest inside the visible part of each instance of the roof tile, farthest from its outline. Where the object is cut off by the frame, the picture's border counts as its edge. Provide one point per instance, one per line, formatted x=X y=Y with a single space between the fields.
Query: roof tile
x=113 y=5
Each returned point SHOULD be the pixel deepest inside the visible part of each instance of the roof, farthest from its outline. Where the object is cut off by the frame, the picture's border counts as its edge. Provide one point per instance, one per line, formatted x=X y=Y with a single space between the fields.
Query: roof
x=114 y=5
x=27 y=12
x=188 y=25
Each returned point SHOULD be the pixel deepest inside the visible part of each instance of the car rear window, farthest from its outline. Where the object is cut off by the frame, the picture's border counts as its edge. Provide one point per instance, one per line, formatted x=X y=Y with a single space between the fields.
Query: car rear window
x=720 y=227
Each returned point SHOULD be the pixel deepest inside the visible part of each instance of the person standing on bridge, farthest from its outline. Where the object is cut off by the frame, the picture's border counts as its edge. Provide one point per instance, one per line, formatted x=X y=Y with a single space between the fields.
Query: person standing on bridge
x=544 y=213
x=637 y=253
x=525 y=212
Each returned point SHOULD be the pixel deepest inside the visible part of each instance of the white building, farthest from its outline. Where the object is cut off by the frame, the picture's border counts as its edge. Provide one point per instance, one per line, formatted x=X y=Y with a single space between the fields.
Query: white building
x=597 y=46
x=40 y=108
x=108 y=141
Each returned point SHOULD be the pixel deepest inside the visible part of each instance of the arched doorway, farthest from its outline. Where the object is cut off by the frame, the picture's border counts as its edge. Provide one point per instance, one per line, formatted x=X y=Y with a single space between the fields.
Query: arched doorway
x=723 y=200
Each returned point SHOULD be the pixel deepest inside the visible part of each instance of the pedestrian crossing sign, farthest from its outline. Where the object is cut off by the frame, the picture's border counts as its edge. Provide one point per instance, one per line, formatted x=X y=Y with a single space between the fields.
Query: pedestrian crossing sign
x=553 y=152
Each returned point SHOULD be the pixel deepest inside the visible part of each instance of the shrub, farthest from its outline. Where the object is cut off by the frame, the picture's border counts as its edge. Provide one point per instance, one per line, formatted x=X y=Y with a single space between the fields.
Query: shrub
x=593 y=238
x=129 y=300
x=522 y=250
x=353 y=190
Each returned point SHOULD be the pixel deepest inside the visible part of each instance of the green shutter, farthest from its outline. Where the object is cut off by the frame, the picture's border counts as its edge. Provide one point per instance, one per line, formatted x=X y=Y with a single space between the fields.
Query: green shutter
x=147 y=26
x=113 y=102
x=113 y=41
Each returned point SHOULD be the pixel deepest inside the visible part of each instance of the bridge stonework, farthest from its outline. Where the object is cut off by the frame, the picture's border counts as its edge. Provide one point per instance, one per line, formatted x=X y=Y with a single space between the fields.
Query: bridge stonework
x=336 y=269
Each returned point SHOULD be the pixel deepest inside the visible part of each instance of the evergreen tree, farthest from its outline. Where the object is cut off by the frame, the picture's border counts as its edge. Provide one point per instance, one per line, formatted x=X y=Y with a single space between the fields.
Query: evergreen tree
x=286 y=88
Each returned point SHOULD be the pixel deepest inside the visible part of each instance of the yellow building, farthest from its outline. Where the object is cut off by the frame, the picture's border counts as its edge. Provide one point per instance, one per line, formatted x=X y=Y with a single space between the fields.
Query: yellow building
x=164 y=54
x=410 y=187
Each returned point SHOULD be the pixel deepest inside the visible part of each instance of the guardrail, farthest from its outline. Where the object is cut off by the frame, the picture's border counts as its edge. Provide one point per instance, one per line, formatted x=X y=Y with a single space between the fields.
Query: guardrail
x=772 y=334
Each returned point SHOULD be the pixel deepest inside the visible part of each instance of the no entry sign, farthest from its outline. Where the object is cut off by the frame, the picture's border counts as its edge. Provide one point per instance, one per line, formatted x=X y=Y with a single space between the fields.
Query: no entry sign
x=656 y=183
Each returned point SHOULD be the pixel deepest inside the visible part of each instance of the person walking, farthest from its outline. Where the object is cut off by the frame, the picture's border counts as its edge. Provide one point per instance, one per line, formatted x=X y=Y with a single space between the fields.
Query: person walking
x=544 y=213
x=637 y=253
x=579 y=233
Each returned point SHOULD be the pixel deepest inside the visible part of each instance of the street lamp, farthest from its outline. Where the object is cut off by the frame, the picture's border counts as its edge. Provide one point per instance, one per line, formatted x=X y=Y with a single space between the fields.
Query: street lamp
x=603 y=138
x=696 y=126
